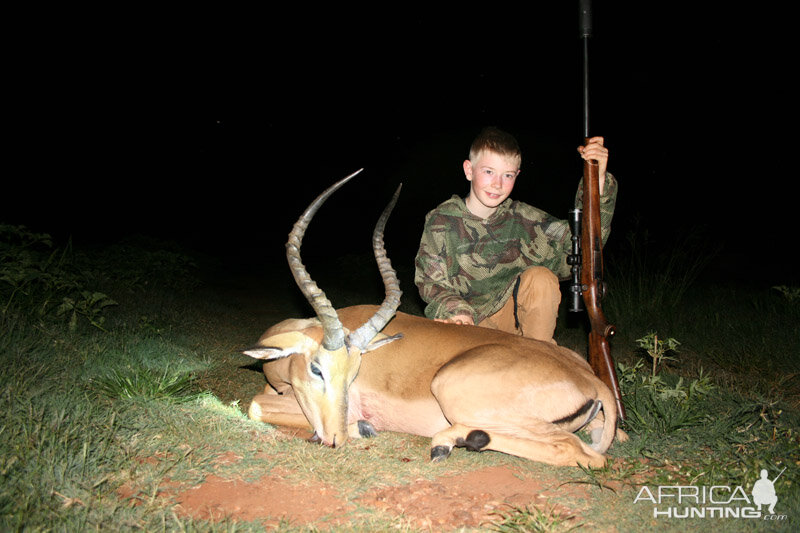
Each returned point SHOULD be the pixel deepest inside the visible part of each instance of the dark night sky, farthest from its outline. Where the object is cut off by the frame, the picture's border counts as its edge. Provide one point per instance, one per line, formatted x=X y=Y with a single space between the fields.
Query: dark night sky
x=220 y=137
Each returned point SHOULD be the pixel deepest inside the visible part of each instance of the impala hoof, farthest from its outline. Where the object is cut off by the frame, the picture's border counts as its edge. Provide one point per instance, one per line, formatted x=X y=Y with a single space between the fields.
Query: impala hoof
x=440 y=453
x=366 y=430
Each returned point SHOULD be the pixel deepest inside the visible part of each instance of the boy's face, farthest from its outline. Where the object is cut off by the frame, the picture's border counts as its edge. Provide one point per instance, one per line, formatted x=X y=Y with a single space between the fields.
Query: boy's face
x=492 y=178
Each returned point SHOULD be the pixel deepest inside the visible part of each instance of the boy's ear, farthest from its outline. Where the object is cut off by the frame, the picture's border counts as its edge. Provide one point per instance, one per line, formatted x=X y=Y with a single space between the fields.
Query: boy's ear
x=468 y=169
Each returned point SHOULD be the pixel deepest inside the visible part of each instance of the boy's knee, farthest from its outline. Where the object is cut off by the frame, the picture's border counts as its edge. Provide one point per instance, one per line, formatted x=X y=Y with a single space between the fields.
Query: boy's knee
x=539 y=297
x=540 y=278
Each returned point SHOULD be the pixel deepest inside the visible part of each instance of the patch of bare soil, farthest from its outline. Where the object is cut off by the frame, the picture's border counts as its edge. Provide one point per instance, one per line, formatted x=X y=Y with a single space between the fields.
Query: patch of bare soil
x=447 y=503
x=464 y=500
x=269 y=499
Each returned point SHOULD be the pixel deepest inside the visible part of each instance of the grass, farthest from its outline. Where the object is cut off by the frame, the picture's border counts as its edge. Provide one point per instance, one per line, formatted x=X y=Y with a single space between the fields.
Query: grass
x=147 y=393
x=533 y=519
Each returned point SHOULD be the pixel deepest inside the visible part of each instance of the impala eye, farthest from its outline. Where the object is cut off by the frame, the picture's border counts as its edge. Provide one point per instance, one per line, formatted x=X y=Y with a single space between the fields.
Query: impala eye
x=316 y=370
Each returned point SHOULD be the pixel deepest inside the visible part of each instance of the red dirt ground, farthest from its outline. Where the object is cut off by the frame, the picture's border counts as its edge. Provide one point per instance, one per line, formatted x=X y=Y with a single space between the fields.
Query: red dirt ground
x=446 y=503
x=449 y=502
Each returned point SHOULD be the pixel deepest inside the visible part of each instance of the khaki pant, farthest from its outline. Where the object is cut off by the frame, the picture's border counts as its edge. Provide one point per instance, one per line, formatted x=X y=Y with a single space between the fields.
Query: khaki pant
x=536 y=305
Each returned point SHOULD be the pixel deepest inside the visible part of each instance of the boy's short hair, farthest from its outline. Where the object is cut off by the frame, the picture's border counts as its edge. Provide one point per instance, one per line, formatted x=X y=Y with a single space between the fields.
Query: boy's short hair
x=497 y=141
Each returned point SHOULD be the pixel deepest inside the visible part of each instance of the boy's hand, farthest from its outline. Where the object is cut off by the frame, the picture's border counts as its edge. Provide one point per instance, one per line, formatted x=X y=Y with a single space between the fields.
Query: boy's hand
x=458 y=319
x=594 y=149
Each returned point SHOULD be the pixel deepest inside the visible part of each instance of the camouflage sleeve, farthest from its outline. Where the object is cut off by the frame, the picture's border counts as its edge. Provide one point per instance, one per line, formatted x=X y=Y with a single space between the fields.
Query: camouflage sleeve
x=608 y=200
x=560 y=234
x=433 y=277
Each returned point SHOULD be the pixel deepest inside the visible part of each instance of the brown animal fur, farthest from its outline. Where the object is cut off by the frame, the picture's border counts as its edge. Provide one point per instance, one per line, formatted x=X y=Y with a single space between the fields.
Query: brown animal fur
x=461 y=385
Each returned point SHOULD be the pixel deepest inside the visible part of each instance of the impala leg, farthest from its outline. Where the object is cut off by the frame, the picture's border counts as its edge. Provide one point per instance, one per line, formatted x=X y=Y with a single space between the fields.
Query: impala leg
x=494 y=401
x=279 y=410
x=283 y=410
x=595 y=429
x=553 y=446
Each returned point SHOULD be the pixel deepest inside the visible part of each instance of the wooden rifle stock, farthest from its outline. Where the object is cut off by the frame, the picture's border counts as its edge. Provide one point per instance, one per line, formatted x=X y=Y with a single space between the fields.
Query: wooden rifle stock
x=591 y=276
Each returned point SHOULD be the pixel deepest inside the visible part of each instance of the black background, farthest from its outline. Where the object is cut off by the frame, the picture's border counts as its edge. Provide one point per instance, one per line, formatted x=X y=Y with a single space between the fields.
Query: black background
x=217 y=129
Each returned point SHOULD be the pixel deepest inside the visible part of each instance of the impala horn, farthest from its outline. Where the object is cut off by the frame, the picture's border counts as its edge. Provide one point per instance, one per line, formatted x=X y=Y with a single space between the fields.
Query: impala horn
x=333 y=336
x=364 y=334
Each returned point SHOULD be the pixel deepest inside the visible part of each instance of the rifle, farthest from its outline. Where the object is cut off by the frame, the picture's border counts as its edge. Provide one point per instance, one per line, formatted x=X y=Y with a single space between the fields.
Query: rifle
x=587 y=245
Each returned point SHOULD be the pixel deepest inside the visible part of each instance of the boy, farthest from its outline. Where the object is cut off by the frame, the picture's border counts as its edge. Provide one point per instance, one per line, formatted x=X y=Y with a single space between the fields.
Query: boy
x=495 y=262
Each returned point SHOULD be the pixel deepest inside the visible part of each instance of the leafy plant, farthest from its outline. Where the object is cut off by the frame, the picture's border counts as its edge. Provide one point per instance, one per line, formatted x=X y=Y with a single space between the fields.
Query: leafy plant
x=790 y=293
x=23 y=263
x=661 y=404
x=22 y=237
x=658 y=349
x=35 y=277
x=90 y=306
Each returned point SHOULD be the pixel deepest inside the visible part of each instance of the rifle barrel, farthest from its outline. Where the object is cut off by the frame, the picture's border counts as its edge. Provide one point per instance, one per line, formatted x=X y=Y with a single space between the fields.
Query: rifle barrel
x=585 y=24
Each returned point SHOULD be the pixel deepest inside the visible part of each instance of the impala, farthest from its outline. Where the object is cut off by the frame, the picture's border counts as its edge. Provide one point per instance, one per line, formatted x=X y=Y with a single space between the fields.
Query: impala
x=351 y=372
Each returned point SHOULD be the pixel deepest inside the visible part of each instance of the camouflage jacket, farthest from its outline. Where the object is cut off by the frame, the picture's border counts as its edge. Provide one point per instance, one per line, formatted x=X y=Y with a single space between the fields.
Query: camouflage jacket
x=468 y=265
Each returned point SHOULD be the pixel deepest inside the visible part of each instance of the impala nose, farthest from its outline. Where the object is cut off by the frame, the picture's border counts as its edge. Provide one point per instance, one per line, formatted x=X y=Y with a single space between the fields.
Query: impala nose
x=316 y=439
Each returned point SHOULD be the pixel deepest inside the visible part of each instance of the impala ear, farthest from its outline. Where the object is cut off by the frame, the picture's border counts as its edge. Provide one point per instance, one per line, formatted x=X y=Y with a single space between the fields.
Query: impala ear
x=380 y=340
x=282 y=345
